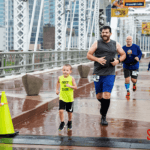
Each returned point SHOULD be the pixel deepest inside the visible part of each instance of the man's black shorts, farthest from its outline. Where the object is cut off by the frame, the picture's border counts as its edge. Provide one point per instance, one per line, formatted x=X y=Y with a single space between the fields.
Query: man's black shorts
x=66 y=106
x=132 y=73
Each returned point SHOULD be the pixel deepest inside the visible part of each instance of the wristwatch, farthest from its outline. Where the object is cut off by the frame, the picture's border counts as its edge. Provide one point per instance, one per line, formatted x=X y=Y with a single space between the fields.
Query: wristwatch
x=119 y=60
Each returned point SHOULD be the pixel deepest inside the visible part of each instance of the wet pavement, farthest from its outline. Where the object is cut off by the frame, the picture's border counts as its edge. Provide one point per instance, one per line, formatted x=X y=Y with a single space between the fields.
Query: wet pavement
x=46 y=147
x=126 y=118
x=78 y=141
x=21 y=105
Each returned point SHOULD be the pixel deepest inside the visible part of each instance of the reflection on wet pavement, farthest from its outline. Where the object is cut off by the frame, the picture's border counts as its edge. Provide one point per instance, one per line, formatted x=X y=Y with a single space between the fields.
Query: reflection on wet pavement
x=19 y=105
x=86 y=122
x=44 y=147
x=142 y=92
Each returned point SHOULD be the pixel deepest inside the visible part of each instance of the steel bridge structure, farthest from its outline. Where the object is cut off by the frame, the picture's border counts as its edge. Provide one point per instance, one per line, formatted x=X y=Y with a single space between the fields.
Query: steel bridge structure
x=89 y=23
x=91 y=19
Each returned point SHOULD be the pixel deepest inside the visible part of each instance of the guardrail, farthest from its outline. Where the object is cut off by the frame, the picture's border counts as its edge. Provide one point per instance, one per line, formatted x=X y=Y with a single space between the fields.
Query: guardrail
x=22 y=62
x=146 y=54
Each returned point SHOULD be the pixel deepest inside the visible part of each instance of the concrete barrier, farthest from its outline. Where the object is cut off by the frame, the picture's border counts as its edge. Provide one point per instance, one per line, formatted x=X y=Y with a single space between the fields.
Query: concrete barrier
x=83 y=71
x=32 y=84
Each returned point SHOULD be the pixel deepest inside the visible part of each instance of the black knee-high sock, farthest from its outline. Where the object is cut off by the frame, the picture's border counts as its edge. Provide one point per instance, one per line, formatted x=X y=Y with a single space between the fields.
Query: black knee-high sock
x=100 y=99
x=104 y=106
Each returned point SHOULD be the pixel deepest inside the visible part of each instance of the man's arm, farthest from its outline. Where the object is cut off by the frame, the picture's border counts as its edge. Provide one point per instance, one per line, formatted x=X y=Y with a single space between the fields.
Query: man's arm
x=121 y=53
x=139 y=53
x=90 y=53
x=137 y=58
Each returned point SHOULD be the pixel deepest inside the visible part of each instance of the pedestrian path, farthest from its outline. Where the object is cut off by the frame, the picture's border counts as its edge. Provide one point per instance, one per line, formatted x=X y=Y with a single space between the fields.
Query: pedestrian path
x=128 y=120
x=47 y=147
x=22 y=106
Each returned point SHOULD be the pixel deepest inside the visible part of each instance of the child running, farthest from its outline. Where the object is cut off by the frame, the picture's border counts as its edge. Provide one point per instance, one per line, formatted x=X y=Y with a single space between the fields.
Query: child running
x=66 y=97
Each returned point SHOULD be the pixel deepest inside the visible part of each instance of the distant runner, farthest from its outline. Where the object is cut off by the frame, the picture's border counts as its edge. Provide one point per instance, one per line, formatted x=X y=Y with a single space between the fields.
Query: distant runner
x=131 y=64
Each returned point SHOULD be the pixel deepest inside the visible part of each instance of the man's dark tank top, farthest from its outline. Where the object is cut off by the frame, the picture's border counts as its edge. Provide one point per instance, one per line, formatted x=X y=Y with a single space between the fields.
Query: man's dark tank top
x=108 y=50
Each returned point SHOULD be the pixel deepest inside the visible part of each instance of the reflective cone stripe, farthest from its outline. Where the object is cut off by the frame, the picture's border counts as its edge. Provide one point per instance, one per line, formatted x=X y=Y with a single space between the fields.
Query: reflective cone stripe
x=6 y=125
x=1 y=104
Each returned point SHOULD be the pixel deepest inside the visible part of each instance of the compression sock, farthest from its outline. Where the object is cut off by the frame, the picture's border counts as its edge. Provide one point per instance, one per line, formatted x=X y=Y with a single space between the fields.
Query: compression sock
x=127 y=85
x=104 y=106
x=134 y=84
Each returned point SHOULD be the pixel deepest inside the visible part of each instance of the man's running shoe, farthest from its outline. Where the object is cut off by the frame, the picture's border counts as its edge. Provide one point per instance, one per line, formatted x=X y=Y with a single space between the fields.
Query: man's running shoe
x=128 y=95
x=69 y=125
x=103 y=121
x=134 y=87
x=61 y=127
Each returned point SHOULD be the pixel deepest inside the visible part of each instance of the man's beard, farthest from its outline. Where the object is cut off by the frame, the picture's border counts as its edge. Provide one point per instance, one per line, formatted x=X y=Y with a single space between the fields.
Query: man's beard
x=108 y=37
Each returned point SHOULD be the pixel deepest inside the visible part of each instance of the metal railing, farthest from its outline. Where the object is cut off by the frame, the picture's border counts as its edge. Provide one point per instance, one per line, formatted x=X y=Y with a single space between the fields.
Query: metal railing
x=22 y=62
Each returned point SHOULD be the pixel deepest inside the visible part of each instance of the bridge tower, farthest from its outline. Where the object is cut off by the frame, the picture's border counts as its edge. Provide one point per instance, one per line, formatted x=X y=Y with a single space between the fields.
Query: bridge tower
x=88 y=22
x=21 y=25
x=84 y=23
x=22 y=29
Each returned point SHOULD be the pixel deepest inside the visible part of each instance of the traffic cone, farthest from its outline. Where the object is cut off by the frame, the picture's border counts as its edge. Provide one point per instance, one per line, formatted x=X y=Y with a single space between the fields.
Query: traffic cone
x=6 y=125
x=6 y=147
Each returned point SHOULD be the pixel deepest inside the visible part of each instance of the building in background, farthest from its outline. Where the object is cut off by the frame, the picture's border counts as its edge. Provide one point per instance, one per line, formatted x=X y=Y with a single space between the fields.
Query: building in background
x=7 y=21
x=2 y=38
x=9 y=25
x=76 y=16
x=35 y=23
x=46 y=11
x=52 y=12
x=48 y=37
x=49 y=12
x=108 y=14
x=2 y=13
x=2 y=25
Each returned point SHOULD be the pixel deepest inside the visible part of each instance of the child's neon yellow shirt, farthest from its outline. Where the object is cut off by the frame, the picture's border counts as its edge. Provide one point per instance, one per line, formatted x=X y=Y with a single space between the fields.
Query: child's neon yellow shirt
x=66 y=93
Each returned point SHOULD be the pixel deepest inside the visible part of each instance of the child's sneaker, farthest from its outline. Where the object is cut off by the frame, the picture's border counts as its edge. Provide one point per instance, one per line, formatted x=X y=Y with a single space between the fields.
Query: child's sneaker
x=61 y=127
x=134 y=87
x=69 y=125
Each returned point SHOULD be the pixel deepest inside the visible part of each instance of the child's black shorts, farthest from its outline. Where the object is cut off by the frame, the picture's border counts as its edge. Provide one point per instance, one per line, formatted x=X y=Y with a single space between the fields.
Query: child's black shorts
x=66 y=106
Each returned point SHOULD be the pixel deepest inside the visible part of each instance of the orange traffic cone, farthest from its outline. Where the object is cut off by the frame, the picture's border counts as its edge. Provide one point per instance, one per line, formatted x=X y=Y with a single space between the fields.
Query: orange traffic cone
x=6 y=125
